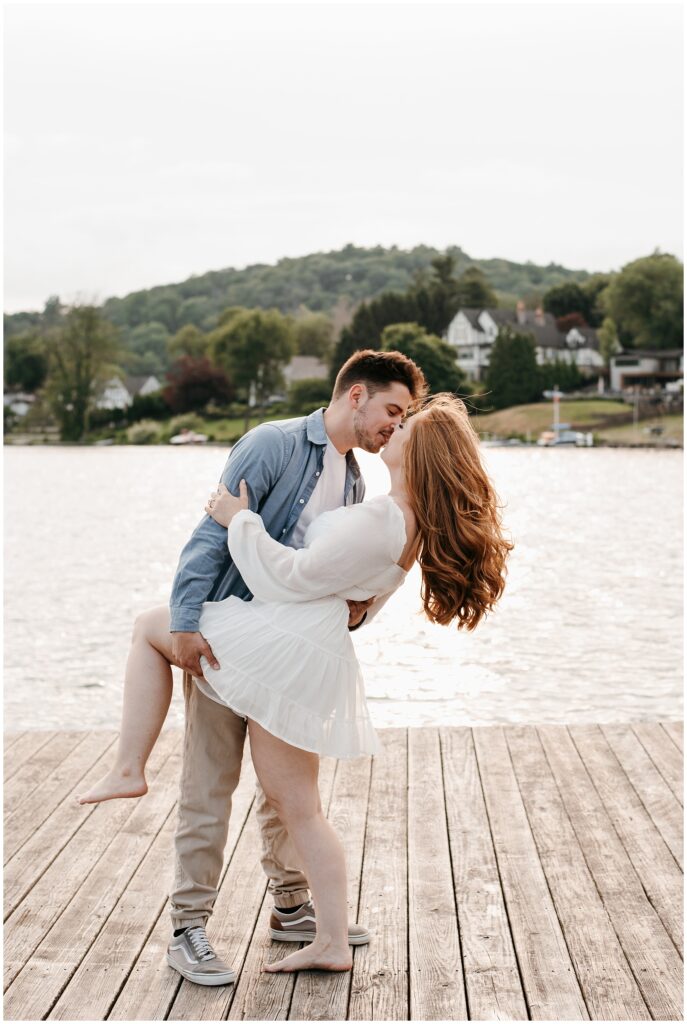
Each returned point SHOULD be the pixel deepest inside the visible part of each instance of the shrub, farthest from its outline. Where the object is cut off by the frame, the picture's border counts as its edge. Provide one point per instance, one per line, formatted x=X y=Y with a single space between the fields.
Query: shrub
x=143 y=432
x=307 y=395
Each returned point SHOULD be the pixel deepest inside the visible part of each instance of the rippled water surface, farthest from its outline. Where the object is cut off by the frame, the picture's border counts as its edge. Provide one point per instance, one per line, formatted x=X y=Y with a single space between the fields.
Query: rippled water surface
x=589 y=628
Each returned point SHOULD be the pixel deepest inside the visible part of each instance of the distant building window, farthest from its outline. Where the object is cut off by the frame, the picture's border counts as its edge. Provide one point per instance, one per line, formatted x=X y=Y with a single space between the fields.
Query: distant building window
x=627 y=362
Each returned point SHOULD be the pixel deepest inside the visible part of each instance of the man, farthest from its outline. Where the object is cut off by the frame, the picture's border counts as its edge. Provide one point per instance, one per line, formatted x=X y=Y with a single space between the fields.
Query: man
x=295 y=470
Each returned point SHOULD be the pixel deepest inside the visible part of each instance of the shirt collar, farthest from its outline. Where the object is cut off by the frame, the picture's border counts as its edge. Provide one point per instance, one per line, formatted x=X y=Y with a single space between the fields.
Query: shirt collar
x=315 y=427
x=317 y=434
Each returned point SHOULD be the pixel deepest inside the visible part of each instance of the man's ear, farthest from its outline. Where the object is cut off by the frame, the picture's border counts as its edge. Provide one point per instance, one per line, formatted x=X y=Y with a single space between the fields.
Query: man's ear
x=357 y=393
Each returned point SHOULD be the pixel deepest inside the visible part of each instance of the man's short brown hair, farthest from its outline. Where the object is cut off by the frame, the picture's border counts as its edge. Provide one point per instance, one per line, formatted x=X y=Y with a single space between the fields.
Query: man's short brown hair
x=378 y=371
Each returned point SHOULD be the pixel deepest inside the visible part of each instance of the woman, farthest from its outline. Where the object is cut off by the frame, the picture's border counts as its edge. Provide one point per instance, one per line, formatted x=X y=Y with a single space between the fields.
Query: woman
x=286 y=659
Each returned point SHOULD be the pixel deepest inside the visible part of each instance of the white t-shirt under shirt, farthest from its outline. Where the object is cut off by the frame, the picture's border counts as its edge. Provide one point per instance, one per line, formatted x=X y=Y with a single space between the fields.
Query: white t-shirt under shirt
x=328 y=493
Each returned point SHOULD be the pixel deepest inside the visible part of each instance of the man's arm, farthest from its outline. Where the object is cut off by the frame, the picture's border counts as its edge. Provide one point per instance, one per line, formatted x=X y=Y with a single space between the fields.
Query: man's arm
x=258 y=458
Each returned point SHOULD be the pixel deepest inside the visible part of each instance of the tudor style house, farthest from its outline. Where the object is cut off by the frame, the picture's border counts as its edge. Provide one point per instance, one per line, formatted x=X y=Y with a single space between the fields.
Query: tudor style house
x=473 y=332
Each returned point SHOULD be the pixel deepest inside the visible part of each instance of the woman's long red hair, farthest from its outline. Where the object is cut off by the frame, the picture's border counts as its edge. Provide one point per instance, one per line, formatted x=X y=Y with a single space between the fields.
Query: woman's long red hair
x=462 y=551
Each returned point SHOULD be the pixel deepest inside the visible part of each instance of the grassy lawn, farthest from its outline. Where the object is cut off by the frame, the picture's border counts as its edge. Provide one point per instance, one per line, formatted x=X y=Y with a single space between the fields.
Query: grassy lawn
x=673 y=432
x=523 y=419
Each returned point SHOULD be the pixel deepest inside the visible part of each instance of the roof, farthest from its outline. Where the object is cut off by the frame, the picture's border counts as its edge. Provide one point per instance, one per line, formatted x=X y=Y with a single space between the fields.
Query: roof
x=135 y=383
x=652 y=353
x=546 y=334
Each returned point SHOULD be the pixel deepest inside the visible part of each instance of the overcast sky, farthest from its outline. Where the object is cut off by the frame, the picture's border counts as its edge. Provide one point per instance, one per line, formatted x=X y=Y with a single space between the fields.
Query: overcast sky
x=146 y=143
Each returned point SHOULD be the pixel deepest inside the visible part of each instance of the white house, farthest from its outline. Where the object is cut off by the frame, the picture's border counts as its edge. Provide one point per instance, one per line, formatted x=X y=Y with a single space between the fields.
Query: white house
x=646 y=368
x=473 y=332
x=19 y=403
x=118 y=394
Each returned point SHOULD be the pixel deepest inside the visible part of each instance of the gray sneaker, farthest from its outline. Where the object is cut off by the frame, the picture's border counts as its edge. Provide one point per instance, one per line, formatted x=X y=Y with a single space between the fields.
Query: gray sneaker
x=301 y=926
x=194 y=958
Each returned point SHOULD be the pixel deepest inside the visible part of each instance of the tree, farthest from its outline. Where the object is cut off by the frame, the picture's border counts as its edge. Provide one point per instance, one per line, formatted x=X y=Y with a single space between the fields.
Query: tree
x=149 y=343
x=314 y=335
x=253 y=345
x=608 y=340
x=436 y=358
x=308 y=394
x=26 y=362
x=567 y=298
x=594 y=289
x=570 y=320
x=82 y=355
x=645 y=301
x=561 y=374
x=474 y=291
x=188 y=341
x=512 y=377
x=195 y=382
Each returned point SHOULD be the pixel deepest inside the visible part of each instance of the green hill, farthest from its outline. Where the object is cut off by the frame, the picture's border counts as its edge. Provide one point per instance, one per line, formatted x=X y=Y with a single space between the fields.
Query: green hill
x=321 y=282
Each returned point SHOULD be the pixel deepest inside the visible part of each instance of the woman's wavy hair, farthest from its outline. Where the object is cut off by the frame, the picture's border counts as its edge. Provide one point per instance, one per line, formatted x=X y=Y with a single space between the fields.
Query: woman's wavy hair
x=462 y=551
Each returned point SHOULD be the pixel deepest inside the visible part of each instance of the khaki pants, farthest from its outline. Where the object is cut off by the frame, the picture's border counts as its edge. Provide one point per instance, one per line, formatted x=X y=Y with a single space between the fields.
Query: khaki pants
x=213 y=750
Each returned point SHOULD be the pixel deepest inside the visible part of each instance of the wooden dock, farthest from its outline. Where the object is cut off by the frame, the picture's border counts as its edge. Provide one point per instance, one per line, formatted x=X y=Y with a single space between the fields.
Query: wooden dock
x=507 y=873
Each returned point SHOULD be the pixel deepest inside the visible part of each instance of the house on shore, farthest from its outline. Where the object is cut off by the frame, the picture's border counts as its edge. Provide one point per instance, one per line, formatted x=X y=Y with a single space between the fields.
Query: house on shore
x=119 y=394
x=647 y=368
x=472 y=332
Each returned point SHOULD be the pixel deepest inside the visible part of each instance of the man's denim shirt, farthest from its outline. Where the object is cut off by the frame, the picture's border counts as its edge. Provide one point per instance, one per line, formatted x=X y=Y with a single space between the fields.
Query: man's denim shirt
x=281 y=463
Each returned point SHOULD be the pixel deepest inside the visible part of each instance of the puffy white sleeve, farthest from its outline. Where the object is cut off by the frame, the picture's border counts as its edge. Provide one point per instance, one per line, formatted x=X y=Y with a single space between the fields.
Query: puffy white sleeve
x=355 y=549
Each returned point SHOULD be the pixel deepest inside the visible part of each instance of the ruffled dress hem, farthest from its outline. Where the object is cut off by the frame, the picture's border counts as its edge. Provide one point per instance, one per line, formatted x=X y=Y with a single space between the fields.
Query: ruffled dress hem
x=291 y=722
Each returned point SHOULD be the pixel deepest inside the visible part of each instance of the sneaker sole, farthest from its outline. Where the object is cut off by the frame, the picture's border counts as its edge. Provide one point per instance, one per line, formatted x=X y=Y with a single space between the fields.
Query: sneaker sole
x=202 y=979
x=353 y=940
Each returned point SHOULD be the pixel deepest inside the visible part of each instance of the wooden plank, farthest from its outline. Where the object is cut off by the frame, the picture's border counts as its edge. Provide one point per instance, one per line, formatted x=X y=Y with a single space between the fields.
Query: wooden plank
x=551 y=988
x=49 y=839
x=658 y=798
x=152 y=985
x=652 y=860
x=609 y=988
x=37 y=770
x=10 y=738
x=319 y=995
x=39 y=805
x=32 y=920
x=492 y=979
x=26 y=747
x=93 y=987
x=665 y=756
x=38 y=985
x=257 y=995
x=437 y=989
x=675 y=731
x=650 y=952
x=379 y=988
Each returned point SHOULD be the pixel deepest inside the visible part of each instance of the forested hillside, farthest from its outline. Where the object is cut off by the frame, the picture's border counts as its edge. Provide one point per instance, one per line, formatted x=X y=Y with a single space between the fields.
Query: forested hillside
x=332 y=282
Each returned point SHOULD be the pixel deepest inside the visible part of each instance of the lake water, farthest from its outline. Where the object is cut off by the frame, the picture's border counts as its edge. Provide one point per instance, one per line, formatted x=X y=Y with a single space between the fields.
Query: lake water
x=589 y=628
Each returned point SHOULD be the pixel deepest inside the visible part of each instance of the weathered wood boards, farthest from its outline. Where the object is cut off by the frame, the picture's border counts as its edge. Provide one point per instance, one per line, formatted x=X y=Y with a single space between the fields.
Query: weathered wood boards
x=506 y=872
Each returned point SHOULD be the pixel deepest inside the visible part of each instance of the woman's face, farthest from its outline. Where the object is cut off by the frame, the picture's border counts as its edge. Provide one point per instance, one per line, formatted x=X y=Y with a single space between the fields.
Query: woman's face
x=392 y=453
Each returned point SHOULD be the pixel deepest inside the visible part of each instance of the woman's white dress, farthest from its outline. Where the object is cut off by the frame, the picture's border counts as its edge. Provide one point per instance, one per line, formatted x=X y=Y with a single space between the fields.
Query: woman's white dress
x=286 y=657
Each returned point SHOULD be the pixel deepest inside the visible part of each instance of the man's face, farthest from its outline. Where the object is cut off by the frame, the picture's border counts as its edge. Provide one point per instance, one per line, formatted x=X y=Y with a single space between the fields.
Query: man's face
x=375 y=418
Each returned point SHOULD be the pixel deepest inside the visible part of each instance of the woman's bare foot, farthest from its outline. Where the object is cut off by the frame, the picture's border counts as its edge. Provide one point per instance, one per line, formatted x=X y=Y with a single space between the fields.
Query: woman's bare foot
x=116 y=784
x=315 y=959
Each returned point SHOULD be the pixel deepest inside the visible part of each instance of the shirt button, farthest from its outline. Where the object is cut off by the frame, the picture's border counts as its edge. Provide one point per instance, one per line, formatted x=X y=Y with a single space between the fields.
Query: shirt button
x=317 y=473
x=302 y=501
x=284 y=530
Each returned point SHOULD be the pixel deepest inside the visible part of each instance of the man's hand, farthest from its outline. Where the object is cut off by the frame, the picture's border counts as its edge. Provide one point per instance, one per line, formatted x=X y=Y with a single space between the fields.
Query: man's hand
x=187 y=649
x=356 y=611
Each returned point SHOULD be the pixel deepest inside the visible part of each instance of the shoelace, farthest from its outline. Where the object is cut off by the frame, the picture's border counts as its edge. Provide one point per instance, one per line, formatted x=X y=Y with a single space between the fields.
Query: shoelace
x=199 y=941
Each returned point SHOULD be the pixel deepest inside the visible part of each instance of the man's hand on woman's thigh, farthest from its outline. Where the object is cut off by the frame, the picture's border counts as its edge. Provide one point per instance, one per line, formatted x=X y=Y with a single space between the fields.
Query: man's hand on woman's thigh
x=188 y=648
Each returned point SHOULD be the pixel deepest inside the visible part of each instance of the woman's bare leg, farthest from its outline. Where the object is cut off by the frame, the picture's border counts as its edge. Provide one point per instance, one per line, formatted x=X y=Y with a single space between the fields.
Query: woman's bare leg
x=288 y=775
x=147 y=694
